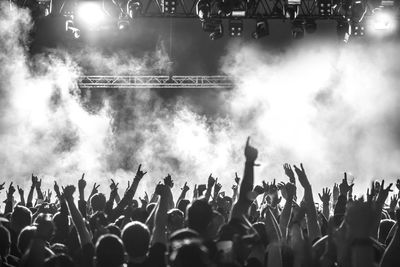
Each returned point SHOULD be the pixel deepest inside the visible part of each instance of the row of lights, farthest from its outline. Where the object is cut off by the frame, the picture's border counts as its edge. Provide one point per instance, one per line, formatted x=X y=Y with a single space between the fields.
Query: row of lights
x=352 y=22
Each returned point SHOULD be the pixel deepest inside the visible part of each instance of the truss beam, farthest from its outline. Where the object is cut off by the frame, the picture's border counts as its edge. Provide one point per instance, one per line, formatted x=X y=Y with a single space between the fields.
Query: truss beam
x=155 y=82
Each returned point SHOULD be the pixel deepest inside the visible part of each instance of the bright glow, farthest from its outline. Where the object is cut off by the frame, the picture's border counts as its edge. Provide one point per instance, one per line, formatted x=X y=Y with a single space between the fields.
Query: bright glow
x=382 y=22
x=91 y=14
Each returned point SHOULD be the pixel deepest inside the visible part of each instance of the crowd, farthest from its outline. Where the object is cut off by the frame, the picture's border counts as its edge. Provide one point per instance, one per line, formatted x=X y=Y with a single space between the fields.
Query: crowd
x=263 y=225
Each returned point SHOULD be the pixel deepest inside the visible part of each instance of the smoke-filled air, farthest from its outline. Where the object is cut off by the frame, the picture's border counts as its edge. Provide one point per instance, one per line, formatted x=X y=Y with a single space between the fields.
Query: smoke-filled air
x=334 y=108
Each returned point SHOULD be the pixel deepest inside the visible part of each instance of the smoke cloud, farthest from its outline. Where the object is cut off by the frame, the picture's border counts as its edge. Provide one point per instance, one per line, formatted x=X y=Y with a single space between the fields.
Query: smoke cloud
x=333 y=108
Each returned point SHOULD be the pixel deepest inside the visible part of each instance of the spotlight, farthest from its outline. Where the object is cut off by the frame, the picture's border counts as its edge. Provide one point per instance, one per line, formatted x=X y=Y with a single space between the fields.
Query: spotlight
x=298 y=29
x=134 y=8
x=262 y=29
x=123 y=23
x=235 y=27
x=214 y=27
x=291 y=9
x=91 y=14
x=343 y=30
x=203 y=9
x=382 y=21
x=325 y=7
x=70 y=28
x=358 y=29
x=169 y=6
x=310 y=26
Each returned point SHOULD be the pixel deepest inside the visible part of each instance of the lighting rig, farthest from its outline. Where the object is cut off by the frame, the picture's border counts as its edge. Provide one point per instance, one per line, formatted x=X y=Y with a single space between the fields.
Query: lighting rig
x=355 y=18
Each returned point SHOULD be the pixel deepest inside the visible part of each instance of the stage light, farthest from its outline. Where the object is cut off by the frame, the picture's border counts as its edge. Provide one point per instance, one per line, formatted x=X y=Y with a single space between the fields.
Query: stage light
x=203 y=9
x=70 y=28
x=235 y=27
x=343 y=30
x=298 y=29
x=214 y=27
x=291 y=9
x=91 y=14
x=310 y=26
x=325 y=7
x=169 y=6
x=382 y=22
x=123 y=23
x=358 y=29
x=134 y=8
x=262 y=29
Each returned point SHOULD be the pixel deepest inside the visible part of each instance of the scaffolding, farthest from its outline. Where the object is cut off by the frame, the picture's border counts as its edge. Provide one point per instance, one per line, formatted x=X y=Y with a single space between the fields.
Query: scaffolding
x=155 y=82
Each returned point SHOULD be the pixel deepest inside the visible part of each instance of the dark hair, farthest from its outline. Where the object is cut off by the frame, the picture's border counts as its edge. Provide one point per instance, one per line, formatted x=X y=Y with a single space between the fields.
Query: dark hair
x=136 y=238
x=109 y=251
x=175 y=219
x=59 y=260
x=183 y=204
x=5 y=241
x=199 y=215
x=98 y=202
x=25 y=238
x=21 y=217
x=113 y=229
x=190 y=253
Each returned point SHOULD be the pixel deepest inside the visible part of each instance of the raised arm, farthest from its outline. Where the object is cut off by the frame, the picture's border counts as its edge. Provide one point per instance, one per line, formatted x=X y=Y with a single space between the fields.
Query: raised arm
x=21 y=195
x=9 y=200
x=391 y=257
x=312 y=221
x=160 y=218
x=210 y=183
x=82 y=201
x=77 y=219
x=290 y=190
x=29 y=202
x=242 y=205
x=325 y=199
x=184 y=190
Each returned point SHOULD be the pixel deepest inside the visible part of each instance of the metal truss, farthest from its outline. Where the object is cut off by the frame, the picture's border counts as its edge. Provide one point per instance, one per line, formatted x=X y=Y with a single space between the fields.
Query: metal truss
x=268 y=9
x=156 y=82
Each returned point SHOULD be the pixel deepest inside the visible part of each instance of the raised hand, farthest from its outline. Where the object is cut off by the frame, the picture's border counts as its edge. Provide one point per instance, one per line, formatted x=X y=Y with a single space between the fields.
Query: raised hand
x=139 y=173
x=250 y=152
x=383 y=192
x=113 y=185
x=20 y=190
x=201 y=188
x=217 y=187
x=211 y=181
x=301 y=175
x=95 y=189
x=127 y=188
x=57 y=189
x=34 y=180
x=234 y=188
x=393 y=202
x=344 y=186
x=82 y=183
x=398 y=184
x=326 y=195
x=68 y=191
x=259 y=189
x=290 y=189
x=2 y=186
x=335 y=192
x=11 y=190
x=289 y=173
x=168 y=181
x=185 y=187
x=237 y=179
x=160 y=189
